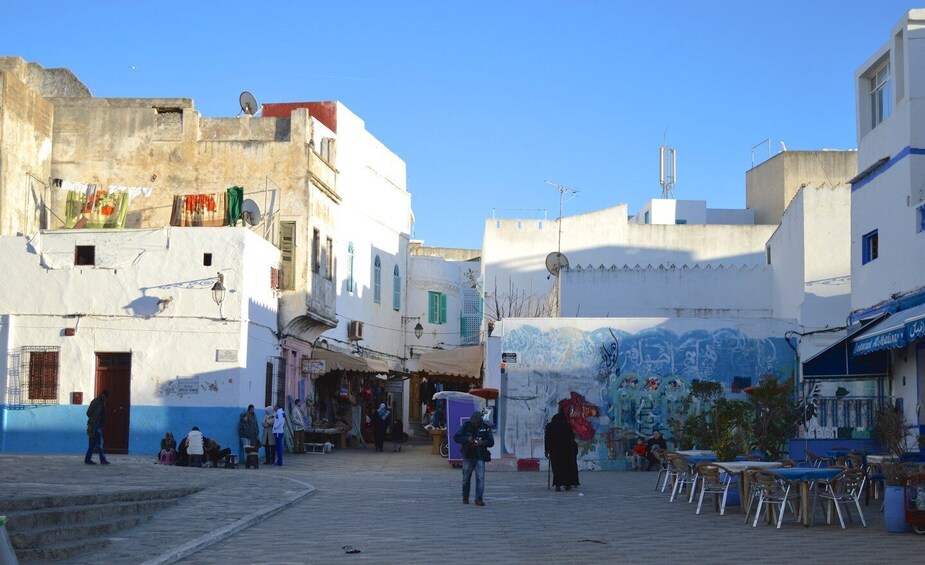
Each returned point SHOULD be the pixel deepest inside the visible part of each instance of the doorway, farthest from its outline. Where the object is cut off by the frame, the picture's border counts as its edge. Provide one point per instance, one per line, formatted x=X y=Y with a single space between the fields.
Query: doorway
x=114 y=372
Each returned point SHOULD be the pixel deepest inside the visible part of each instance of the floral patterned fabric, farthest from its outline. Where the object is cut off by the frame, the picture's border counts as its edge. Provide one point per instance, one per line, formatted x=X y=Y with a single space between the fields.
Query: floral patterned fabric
x=199 y=210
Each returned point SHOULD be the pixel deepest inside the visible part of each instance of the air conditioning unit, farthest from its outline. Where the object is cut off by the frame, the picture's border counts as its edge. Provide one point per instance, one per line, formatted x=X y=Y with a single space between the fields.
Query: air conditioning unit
x=355 y=330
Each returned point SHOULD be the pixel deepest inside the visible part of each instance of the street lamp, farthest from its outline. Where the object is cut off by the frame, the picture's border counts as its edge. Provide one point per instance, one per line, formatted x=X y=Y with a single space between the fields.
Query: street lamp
x=218 y=293
x=418 y=330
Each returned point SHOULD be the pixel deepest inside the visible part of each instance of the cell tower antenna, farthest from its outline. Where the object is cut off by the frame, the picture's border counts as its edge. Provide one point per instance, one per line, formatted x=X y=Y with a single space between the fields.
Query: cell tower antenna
x=562 y=191
x=667 y=168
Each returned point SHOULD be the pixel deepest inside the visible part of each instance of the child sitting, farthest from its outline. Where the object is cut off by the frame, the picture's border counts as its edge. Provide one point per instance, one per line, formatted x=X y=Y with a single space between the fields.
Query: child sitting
x=639 y=455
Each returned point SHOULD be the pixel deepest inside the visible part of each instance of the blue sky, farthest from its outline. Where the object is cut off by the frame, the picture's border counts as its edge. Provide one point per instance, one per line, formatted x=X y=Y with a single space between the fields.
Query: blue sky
x=486 y=100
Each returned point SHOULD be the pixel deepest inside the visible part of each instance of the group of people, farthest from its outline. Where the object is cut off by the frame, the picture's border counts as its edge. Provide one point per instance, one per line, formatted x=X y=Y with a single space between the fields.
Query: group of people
x=195 y=450
x=382 y=421
x=644 y=452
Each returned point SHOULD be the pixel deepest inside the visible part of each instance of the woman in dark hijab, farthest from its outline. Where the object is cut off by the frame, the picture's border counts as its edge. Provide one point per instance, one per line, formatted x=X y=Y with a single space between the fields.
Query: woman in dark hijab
x=561 y=450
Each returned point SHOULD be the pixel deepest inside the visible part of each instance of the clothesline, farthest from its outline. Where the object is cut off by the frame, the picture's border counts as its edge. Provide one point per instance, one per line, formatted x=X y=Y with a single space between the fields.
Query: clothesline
x=90 y=188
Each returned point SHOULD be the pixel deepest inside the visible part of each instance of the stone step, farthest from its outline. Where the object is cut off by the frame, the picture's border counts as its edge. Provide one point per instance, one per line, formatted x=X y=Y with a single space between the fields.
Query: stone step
x=65 y=515
x=43 y=502
x=50 y=537
x=59 y=551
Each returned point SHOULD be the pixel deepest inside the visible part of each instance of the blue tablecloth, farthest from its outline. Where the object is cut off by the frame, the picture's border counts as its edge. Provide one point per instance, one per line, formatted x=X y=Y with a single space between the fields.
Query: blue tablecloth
x=701 y=458
x=807 y=474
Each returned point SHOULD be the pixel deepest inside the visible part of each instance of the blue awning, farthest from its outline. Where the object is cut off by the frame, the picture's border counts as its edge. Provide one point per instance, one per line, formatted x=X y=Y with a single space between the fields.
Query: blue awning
x=893 y=332
x=836 y=362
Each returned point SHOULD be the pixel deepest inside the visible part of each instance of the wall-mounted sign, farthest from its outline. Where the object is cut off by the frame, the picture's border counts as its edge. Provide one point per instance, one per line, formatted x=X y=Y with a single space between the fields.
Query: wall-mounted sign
x=226 y=355
x=314 y=366
x=508 y=357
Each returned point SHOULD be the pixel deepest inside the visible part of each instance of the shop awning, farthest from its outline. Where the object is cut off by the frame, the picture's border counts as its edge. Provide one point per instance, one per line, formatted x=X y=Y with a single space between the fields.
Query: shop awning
x=892 y=332
x=836 y=362
x=336 y=361
x=464 y=362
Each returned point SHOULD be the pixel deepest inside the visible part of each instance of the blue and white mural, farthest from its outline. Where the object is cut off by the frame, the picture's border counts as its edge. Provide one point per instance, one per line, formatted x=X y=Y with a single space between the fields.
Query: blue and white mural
x=620 y=379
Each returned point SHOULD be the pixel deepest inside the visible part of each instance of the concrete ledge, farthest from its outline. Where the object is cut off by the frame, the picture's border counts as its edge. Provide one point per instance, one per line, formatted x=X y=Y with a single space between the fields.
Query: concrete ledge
x=225 y=532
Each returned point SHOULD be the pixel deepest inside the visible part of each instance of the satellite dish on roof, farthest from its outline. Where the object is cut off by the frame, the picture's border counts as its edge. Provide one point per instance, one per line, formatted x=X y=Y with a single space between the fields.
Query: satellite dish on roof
x=555 y=262
x=250 y=212
x=248 y=103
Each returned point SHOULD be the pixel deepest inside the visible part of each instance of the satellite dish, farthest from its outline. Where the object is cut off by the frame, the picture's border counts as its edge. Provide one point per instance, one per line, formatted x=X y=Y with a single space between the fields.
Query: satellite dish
x=250 y=212
x=248 y=103
x=556 y=261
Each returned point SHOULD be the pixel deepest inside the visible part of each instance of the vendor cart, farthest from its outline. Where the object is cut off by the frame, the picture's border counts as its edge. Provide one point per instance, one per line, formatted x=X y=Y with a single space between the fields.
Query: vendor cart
x=915 y=503
x=459 y=408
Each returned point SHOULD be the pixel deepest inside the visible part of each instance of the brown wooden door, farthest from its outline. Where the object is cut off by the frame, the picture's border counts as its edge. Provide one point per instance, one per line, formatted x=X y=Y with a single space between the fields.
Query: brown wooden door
x=414 y=406
x=114 y=372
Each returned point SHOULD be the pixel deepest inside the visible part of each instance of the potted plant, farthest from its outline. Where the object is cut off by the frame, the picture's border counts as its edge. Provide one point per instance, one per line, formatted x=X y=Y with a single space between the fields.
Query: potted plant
x=892 y=432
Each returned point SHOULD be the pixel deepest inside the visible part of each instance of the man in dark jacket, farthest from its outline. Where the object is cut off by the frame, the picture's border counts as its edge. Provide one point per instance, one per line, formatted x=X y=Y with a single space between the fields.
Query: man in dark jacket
x=655 y=441
x=96 y=416
x=475 y=438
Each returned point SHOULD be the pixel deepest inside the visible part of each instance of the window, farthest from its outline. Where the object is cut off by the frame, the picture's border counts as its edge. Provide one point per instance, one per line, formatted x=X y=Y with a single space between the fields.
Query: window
x=206 y=259
x=436 y=308
x=920 y=217
x=646 y=218
x=274 y=278
x=329 y=260
x=85 y=255
x=680 y=222
x=377 y=280
x=316 y=251
x=870 y=249
x=881 y=102
x=396 y=289
x=350 y=284
x=42 y=374
x=287 y=254
x=767 y=254
x=470 y=319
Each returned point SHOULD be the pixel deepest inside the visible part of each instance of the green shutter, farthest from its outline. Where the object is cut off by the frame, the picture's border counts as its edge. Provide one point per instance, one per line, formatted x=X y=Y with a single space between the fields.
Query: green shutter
x=442 y=308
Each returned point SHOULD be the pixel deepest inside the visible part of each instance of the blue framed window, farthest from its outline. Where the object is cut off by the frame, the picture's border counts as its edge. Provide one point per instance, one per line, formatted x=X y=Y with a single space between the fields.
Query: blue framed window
x=436 y=308
x=646 y=218
x=870 y=247
x=680 y=222
x=350 y=283
x=377 y=280
x=396 y=289
x=920 y=219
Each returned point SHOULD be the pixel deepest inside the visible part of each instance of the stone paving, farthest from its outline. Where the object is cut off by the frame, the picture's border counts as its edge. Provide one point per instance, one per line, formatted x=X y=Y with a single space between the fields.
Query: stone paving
x=405 y=508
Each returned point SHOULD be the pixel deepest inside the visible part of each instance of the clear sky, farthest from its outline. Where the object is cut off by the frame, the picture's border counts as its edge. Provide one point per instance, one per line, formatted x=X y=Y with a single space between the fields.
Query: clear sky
x=486 y=100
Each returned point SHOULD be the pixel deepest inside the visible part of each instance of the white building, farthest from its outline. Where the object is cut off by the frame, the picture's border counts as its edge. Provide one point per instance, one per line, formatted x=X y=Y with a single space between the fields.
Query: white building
x=132 y=311
x=888 y=212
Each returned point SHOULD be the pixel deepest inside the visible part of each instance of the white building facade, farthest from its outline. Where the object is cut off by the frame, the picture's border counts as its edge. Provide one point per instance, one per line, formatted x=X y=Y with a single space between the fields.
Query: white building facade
x=133 y=312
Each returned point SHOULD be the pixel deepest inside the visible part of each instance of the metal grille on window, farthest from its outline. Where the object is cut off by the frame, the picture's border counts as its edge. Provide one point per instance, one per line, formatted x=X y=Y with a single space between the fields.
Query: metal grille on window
x=471 y=318
x=278 y=385
x=38 y=375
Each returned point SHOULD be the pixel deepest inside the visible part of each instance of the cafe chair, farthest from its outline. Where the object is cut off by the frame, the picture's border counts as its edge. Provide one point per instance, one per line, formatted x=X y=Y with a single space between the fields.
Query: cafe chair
x=787 y=463
x=680 y=472
x=713 y=482
x=773 y=490
x=842 y=490
x=874 y=481
x=662 y=456
x=752 y=492
x=855 y=460
x=817 y=461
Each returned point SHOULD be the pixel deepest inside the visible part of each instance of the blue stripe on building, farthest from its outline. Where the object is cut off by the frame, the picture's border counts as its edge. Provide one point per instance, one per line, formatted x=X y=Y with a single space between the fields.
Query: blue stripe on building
x=905 y=152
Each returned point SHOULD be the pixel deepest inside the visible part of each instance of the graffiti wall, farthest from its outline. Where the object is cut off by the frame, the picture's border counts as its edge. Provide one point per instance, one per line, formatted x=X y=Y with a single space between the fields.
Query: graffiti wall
x=619 y=379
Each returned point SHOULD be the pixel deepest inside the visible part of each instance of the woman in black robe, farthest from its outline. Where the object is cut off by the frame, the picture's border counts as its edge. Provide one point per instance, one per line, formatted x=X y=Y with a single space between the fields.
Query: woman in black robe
x=561 y=450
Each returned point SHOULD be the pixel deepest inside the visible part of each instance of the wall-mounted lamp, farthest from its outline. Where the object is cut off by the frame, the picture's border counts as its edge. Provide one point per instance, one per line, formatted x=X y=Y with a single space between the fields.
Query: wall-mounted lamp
x=418 y=328
x=218 y=293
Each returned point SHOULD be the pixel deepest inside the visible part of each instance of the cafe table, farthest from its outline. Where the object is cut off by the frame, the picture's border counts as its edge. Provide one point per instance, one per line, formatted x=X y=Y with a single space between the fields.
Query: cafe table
x=804 y=476
x=697 y=453
x=878 y=459
x=736 y=468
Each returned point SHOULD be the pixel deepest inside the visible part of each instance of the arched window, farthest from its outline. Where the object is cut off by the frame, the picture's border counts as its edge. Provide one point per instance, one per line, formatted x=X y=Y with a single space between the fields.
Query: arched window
x=350 y=282
x=396 y=289
x=377 y=280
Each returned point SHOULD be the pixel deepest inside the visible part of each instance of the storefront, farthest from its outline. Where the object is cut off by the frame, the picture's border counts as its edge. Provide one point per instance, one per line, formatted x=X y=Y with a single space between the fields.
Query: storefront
x=451 y=370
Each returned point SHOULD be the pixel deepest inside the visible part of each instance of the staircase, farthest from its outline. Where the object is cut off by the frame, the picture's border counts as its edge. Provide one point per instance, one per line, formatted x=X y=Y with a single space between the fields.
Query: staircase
x=52 y=528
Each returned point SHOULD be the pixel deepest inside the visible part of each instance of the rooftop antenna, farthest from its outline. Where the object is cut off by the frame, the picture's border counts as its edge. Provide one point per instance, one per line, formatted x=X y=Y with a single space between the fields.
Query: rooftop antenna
x=667 y=168
x=562 y=190
x=248 y=103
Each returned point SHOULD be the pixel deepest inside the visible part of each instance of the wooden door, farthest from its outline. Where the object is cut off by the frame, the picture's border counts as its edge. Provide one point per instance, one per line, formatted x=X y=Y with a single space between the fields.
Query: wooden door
x=414 y=405
x=114 y=372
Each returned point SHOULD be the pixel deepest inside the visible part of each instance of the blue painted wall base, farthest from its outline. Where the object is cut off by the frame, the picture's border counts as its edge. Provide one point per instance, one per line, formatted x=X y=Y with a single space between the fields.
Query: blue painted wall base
x=62 y=428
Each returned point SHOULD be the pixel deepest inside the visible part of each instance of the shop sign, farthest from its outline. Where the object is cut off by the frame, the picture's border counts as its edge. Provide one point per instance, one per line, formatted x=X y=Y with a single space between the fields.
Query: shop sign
x=226 y=355
x=509 y=357
x=313 y=366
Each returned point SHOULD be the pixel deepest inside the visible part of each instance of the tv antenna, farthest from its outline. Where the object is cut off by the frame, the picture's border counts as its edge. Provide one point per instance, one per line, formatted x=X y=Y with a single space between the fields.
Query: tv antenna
x=562 y=191
x=250 y=212
x=248 y=103
x=667 y=168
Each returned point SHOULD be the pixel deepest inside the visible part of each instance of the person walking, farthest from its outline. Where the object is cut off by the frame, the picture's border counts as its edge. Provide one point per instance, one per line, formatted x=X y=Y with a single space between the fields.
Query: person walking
x=279 y=434
x=247 y=430
x=380 y=425
x=561 y=450
x=96 y=417
x=475 y=438
x=268 y=439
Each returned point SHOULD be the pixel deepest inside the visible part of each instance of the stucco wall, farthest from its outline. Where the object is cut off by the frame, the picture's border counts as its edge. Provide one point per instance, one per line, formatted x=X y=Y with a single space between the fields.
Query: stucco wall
x=25 y=155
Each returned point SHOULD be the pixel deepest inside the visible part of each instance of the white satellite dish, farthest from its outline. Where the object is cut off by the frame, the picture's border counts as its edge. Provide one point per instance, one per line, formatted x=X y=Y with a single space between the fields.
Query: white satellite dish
x=555 y=262
x=250 y=212
x=248 y=103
